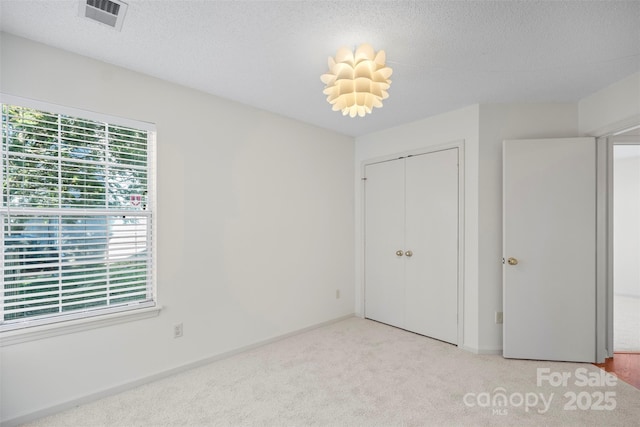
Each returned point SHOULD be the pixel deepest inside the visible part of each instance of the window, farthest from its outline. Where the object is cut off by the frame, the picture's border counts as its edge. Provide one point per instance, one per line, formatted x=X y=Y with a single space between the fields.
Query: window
x=76 y=214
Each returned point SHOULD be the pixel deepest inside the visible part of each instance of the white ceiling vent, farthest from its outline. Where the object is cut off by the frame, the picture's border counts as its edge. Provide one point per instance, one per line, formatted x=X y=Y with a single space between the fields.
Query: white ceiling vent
x=108 y=12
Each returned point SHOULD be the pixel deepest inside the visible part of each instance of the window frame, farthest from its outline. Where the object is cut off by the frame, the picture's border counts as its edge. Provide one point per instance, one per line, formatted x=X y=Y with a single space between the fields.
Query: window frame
x=61 y=323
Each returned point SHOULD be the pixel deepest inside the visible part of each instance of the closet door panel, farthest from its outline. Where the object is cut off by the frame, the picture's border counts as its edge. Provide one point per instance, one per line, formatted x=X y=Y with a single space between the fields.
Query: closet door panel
x=431 y=234
x=384 y=235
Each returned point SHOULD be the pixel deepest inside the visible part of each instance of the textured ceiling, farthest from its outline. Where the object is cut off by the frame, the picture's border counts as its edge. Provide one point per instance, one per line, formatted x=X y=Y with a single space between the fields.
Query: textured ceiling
x=270 y=54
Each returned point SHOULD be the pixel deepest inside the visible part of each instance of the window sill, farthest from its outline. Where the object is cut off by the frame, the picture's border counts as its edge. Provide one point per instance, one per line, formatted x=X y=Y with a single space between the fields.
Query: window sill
x=34 y=333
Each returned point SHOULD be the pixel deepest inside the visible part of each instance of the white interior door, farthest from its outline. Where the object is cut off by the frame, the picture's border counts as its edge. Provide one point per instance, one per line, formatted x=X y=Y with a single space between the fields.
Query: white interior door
x=431 y=273
x=549 y=220
x=384 y=236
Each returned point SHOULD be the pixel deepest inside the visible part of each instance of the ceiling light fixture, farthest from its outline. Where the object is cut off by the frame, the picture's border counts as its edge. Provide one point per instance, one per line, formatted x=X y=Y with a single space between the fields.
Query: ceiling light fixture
x=357 y=82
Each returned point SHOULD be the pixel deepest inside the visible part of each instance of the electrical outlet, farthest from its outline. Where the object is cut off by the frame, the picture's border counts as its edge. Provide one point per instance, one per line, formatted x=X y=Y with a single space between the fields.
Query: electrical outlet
x=337 y=293
x=498 y=317
x=177 y=330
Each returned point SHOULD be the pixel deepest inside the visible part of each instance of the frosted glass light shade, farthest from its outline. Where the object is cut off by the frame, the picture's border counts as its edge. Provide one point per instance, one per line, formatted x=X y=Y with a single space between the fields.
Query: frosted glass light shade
x=357 y=82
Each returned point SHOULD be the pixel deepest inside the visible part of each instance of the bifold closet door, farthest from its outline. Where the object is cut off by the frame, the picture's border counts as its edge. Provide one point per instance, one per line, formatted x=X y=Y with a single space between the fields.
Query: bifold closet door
x=411 y=243
x=384 y=236
x=431 y=233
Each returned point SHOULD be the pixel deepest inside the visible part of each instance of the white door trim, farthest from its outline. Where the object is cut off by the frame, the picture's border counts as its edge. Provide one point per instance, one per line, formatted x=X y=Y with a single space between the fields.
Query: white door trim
x=461 y=225
x=604 y=302
x=604 y=269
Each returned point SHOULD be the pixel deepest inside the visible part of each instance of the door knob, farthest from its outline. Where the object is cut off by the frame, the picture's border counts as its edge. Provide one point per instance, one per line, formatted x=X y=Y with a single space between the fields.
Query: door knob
x=512 y=261
x=409 y=254
x=399 y=253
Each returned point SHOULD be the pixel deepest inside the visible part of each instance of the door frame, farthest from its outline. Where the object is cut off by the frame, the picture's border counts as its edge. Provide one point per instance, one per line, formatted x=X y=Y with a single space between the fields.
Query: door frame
x=604 y=241
x=459 y=144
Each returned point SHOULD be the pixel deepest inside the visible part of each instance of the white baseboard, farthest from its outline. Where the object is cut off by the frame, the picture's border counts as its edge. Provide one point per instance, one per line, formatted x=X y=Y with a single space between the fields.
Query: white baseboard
x=154 y=377
x=495 y=351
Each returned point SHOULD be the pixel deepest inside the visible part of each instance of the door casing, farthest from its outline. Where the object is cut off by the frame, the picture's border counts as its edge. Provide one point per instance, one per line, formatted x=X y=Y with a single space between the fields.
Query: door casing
x=604 y=245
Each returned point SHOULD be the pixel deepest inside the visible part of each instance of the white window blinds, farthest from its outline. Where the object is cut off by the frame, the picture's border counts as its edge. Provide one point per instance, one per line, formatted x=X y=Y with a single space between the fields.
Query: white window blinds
x=76 y=217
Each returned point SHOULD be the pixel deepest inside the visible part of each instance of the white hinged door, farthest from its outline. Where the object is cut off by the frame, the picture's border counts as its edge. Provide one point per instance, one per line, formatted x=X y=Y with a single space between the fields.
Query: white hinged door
x=549 y=249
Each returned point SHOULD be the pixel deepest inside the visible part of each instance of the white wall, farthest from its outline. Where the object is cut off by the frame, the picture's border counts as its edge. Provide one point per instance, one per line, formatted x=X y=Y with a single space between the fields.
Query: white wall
x=626 y=220
x=255 y=229
x=497 y=123
x=612 y=108
x=437 y=130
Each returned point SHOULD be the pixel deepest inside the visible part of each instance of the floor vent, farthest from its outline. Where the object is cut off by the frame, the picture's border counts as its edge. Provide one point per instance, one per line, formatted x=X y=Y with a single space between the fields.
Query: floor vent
x=108 y=12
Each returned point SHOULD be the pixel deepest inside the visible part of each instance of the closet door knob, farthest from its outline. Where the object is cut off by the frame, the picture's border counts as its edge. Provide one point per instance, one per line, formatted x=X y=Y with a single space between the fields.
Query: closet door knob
x=409 y=254
x=399 y=253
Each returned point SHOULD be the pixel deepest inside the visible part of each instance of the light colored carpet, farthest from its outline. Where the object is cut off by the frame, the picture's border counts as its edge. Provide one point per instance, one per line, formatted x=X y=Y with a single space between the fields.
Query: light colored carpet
x=361 y=373
x=626 y=323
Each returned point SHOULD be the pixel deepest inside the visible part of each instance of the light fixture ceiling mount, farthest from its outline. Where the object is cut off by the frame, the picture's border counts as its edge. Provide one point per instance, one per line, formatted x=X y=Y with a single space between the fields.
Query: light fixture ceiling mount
x=357 y=82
